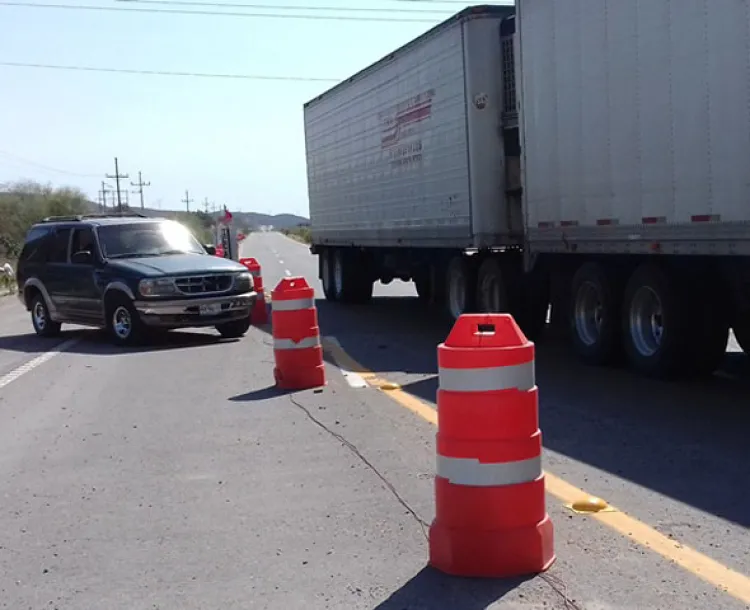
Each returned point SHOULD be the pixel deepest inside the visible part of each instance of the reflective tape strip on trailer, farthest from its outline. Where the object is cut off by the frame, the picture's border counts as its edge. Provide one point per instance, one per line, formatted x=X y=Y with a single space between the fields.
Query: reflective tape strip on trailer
x=518 y=376
x=471 y=472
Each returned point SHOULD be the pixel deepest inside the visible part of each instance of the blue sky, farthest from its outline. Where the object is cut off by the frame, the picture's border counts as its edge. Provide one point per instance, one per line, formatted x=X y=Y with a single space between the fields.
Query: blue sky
x=236 y=142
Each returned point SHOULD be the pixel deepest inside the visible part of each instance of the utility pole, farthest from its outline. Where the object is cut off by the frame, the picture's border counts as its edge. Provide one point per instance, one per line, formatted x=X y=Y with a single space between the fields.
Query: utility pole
x=140 y=184
x=205 y=204
x=117 y=177
x=103 y=195
x=187 y=201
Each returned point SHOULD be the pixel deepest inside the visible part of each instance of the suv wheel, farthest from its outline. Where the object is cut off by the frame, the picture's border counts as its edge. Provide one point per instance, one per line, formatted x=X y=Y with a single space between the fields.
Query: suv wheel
x=234 y=329
x=123 y=322
x=44 y=326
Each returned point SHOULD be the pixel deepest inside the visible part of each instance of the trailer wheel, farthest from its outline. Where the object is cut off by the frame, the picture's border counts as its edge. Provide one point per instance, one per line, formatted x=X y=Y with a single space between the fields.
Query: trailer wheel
x=351 y=282
x=492 y=292
x=655 y=323
x=459 y=293
x=326 y=275
x=594 y=315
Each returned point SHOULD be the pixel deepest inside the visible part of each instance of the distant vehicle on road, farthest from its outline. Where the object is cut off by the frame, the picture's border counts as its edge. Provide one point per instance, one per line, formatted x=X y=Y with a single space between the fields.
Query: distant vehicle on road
x=129 y=273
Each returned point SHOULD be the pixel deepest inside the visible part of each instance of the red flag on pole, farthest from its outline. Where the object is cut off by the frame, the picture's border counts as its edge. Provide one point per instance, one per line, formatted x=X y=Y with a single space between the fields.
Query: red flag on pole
x=227 y=215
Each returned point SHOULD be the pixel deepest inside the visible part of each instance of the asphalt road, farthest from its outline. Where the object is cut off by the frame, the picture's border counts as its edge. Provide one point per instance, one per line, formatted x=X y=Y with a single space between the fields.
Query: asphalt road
x=176 y=477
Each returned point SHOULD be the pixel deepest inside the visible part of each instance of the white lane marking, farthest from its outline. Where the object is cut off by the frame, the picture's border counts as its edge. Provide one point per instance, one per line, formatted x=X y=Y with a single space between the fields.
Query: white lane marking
x=9 y=378
x=355 y=380
x=287 y=272
x=281 y=261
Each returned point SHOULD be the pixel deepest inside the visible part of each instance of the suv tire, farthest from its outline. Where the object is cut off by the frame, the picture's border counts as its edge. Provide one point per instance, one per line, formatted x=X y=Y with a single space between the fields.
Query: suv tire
x=43 y=325
x=234 y=329
x=123 y=322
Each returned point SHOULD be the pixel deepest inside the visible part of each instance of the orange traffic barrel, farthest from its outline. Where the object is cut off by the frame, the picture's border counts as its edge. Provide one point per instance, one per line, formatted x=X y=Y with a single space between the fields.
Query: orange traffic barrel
x=296 y=336
x=490 y=511
x=259 y=314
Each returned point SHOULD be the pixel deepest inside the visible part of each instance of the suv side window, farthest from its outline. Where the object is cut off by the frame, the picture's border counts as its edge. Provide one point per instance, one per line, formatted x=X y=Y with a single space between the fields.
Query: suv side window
x=83 y=239
x=58 y=252
x=36 y=245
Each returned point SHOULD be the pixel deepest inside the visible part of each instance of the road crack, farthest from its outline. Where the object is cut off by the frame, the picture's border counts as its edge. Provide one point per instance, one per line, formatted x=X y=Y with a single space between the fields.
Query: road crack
x=354 y=450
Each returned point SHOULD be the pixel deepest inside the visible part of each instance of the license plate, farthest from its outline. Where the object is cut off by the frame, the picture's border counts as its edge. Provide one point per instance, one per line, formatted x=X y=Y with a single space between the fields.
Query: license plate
x=209 y=310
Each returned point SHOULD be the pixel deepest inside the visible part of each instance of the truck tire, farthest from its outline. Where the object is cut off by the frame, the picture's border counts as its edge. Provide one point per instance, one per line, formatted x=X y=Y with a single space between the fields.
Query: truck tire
x=351 y=282
x=43 y=324
x=594 y=315
x=123 y=321
x=459 y=288
x=656 y=323
x=492 y=289
x=326 y=274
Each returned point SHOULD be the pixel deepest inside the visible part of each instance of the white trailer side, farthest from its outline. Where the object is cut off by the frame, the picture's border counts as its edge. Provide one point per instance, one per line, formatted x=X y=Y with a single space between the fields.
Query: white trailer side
x=636 y=125
x=406 y=152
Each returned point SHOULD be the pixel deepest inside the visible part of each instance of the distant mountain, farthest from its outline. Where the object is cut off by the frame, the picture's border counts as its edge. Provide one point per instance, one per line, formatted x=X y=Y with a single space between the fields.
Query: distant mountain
x=243 y=220
x=253 y=220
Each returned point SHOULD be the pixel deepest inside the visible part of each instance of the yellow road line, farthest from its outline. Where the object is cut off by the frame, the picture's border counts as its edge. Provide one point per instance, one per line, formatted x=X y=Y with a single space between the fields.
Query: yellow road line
x=724 y=578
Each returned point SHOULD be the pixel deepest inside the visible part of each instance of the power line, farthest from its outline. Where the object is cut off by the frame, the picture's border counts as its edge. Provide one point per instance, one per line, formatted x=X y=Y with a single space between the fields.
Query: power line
x=47 y=167
x=84 y=7
x=271 y=7
x=18 y=64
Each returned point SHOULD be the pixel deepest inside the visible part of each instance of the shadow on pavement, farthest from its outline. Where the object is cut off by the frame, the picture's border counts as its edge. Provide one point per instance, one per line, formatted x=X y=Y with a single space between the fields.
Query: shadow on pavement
x=432 y=590
x=260 y=395
x=685 y=440
x=97 y=342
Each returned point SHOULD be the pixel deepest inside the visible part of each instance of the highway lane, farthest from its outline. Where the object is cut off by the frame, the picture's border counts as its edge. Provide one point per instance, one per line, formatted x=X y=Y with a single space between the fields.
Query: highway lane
x=174 y=476
x=672 y=455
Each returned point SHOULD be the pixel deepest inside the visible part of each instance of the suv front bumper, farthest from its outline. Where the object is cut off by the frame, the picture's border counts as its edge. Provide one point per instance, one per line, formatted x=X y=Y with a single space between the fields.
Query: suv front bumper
x=208 y=311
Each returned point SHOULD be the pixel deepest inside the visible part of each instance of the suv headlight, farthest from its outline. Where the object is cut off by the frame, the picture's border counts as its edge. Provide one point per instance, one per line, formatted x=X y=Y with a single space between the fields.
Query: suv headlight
x=160 y=287
x=243 y=281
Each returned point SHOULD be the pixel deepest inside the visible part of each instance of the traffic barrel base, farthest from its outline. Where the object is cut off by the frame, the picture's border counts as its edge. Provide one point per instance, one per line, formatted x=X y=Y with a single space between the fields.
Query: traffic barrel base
x=490 y=512
x=473 y=537
x=296 y=337
x=259 y=313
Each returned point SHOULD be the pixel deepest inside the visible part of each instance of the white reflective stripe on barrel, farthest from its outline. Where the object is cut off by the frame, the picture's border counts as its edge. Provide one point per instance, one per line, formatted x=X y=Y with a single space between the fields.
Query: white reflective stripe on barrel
x=305 y=343
x=519 y=376
x=471 y=472
x=293 y=304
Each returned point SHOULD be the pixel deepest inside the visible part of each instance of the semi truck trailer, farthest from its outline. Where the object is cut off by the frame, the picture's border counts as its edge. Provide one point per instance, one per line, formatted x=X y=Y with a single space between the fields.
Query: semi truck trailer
x=591 y=157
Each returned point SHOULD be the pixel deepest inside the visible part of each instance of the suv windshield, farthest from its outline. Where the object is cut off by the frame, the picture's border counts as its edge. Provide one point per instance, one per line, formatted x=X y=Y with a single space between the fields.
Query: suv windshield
x=157 y=238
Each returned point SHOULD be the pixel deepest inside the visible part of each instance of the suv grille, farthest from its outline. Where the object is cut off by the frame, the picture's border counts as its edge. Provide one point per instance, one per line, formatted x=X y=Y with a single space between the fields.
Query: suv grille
x=204 y=284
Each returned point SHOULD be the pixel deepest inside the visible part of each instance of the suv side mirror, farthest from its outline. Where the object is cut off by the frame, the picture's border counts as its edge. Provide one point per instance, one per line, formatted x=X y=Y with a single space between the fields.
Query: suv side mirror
x=210 y=249
x=83 y=257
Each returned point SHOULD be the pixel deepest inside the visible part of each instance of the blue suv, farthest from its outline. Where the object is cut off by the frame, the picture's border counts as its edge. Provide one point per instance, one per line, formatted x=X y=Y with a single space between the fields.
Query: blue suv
x=129 y=273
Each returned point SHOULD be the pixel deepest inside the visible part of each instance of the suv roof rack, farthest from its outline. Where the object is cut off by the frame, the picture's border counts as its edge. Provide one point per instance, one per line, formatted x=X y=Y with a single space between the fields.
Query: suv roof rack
x=80 y=217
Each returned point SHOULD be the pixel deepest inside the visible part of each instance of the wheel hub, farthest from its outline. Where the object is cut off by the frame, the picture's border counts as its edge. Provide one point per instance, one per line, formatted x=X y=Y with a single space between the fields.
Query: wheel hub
x=646 y=321
x=589 y=313
x=121 y=322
